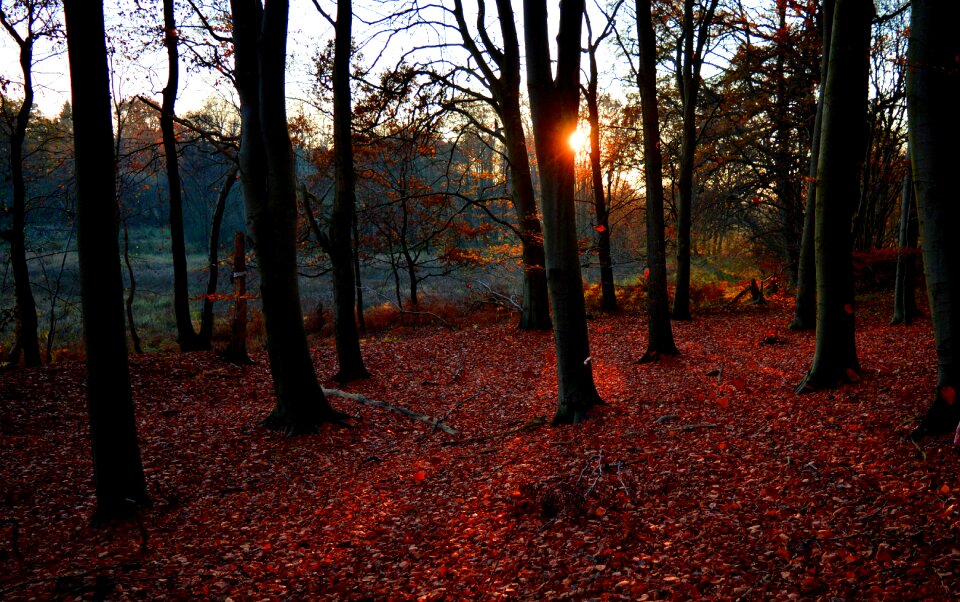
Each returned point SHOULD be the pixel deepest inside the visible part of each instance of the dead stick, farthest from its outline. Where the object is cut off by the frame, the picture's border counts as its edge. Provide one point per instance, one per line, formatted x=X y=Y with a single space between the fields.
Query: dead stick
x=397 y=409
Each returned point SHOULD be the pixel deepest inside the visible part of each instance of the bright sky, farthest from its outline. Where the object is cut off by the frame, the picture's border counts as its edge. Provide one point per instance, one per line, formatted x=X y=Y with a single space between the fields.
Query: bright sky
x=308 y=31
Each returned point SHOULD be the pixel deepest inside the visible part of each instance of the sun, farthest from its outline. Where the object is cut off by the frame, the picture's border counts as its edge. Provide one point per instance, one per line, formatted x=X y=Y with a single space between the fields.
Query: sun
x=579 y=141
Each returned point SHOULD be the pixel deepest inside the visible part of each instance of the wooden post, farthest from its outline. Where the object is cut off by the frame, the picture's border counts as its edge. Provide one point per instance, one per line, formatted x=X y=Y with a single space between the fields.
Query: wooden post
x=236 y=351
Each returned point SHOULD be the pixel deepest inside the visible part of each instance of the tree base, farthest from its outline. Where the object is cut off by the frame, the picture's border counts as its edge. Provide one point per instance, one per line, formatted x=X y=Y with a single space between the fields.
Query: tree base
x=801 y=323
x=654 y=355
x=818 y=379
x=307 y=424
x=345 y=376
x=942 y=418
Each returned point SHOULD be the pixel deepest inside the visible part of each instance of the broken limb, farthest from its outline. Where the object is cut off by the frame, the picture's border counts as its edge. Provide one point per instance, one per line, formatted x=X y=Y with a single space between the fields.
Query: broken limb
x=437 y=424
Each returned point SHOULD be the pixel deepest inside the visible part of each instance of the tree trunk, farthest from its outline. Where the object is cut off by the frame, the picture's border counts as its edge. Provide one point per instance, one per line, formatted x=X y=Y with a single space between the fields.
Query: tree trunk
x=805 y=308
x=267 y=175
x=554 y=107
x=27 y=324
x=186 y=337
x=933 y=85
x=131 y=294
x=118 y=471
x=659 y=328
x=213 y=259
x=342 y=216
x=841 y=151
x=608 y=292
x=695 y=35
x=905 y=289
x=505 y=100
x=361 y=323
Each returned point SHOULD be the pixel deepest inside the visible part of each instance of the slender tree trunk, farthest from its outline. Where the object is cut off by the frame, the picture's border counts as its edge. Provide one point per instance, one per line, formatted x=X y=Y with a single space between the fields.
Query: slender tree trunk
x=236 y=350
x=505 y=101
x=213 y=259
x=905 y=289
x=186 y=337
x=660 y=331
x=343 y=215
x=695 y=35
x=27 y=324
x=267 y=175
x=132 y=292
x=933 y=85
x=361 y=322
x=841 y=151
x=608 y=292
x=118 y=471
x=805 y=308
x=554 y=104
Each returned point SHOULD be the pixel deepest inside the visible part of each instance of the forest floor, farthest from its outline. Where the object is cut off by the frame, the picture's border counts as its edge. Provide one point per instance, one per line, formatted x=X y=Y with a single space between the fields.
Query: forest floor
x=701 y=476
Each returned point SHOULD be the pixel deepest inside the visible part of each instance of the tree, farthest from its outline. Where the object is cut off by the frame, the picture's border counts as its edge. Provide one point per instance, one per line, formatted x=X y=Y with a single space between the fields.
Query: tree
x=695 y=33
x=554 y=106
x=118 y=471
x=805 y=308
x=343 y=214
x=26 y=21
x=905 y=287
x=608 y=292
x=841 y=150
x=500 y=72
x=186 y=336
x=933 y=83
x=659 y=329
x=269 y=190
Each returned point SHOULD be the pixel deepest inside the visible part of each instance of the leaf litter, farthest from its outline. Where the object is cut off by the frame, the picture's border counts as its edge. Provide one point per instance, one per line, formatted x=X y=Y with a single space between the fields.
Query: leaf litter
x=701 y=475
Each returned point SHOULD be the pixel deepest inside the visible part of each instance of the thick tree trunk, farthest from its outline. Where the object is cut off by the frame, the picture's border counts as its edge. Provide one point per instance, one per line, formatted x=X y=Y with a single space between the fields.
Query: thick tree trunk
x=186 y=337
x=118 y=471
x=342 y=216
x=805 y=308
x=905 y=289
x=267 y=175
x=554 y=108
x=658 y=304
x=841 y=151
x=213 y=259
x=608 y=291
x=27 y=324
x=933 y=86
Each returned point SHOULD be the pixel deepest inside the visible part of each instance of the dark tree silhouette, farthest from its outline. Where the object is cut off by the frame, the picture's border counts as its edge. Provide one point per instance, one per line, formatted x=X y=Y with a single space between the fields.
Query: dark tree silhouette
x=658 y=309
x=117 y=468
x=269 y=190
x=554 y=104
x=841 y=150
x=933 y=84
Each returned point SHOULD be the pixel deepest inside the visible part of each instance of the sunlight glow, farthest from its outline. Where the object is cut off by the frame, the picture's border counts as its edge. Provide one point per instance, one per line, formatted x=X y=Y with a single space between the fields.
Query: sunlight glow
x=579 y=141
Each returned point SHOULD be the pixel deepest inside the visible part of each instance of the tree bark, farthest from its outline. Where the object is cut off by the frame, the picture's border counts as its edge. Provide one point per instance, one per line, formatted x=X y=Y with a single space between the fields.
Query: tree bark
x=267 y=176
x=342 y=216
x=933 y=85
x=118 y=471
x=554 y=104
x=659 y=329
x=905 y=288
x=186 y=337
x=27 y=323
x=805 y=307
x=841 y=152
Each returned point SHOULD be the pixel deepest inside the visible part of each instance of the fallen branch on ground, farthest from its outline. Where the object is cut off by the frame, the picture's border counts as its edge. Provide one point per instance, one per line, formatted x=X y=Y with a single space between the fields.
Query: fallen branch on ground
x=437 y=424
x=533 y=423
